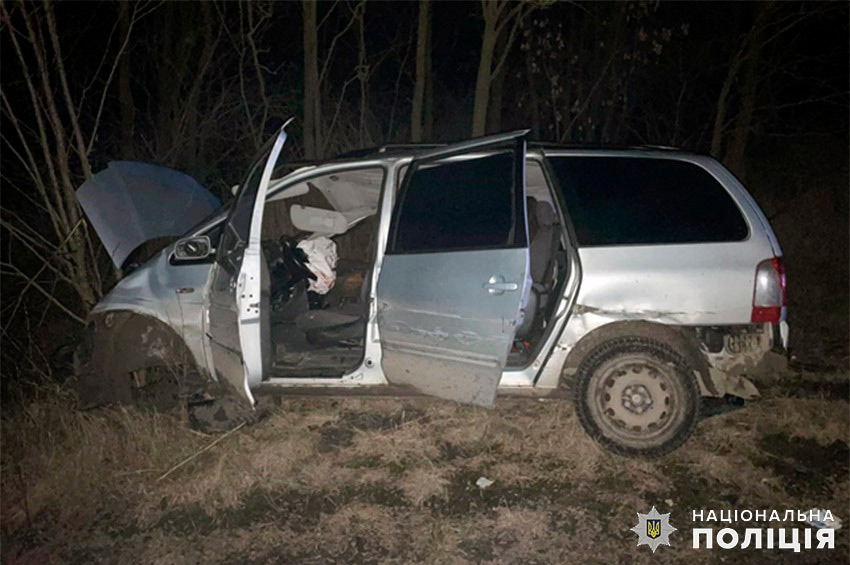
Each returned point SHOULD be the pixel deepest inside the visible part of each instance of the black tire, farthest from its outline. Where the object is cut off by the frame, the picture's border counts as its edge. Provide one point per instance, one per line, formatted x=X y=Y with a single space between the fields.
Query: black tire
x=637 y=397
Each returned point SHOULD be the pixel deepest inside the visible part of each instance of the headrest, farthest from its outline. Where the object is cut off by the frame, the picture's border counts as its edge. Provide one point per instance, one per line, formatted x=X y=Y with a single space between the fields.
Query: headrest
x=545 y=213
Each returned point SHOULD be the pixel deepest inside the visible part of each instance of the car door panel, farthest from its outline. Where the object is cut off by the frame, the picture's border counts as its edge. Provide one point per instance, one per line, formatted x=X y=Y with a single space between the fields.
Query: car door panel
x=238 y=322
x=448 y=311
x=450 y=325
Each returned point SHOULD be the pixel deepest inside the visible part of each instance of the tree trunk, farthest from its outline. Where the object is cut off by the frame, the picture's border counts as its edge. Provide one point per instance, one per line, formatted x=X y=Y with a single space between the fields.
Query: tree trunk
x=534 y=100
x=428 y=117
x=735 y=155
x=500 y=17
x=723 y=106
x=737 y=147
x=312 y=102
x=362 y=72
x=497 y=81
x=485 y=69
x=422 y=58
x=125 y=94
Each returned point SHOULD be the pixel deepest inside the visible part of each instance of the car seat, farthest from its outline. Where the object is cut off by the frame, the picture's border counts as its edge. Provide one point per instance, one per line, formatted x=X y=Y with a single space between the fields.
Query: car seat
x=543 y=237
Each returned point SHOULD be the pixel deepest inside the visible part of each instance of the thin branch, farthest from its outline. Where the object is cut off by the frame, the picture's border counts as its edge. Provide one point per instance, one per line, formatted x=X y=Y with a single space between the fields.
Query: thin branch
x=336 y=112
x=330 y=52
x=327 y=15
x=588 y=98
x=45 y=264
x=259 y=71
x=16 y=271
x=63 y=81
x=42 y=130
x=197 y=453
x=507 y=48
x=395 y=91
x=133 y=19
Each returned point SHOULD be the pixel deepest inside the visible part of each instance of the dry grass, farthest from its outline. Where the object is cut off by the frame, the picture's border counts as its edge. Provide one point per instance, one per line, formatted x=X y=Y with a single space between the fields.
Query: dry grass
x=56 y=460
x=371 y=481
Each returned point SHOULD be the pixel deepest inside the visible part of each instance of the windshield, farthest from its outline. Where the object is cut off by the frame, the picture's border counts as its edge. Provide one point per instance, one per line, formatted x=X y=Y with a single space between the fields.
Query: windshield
x=218 y=212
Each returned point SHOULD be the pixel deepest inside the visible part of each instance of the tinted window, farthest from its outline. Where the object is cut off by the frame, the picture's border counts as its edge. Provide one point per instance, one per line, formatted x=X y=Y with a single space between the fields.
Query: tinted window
x=627 y=200
x=457 y=205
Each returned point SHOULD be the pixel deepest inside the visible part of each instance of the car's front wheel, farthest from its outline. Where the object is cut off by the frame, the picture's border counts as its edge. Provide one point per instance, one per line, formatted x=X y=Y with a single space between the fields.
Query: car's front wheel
x=637 y=397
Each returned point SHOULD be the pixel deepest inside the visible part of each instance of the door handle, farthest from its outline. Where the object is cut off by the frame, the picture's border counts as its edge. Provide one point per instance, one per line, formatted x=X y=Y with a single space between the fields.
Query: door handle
x=497 y=285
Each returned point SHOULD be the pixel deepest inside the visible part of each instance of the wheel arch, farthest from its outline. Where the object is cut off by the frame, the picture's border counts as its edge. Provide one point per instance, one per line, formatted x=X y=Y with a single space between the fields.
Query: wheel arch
x=685 y=342
x=118 y=342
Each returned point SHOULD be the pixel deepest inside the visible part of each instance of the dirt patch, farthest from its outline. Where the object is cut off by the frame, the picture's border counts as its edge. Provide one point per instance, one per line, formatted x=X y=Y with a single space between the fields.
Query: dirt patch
x=805 y=466
x=340 y=433
x=465 y=497
x=808 y=388
x=297 y=510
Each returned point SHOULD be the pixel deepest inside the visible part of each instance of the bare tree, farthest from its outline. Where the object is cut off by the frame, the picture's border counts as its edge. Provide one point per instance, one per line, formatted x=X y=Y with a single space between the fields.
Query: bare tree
x=54 y=155
x=363 y=73
x=428 y=110
x=588 y=66
x=497 y=84
x=500 y=17
x=312 y=83
x=317 y=66
x=255 y=101
x=737 y=146
x=423 y=60
x=125 y=93
x=746 y=71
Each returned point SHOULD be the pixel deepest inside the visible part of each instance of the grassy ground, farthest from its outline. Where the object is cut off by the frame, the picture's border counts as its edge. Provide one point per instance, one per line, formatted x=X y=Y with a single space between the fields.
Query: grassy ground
x=327 y=480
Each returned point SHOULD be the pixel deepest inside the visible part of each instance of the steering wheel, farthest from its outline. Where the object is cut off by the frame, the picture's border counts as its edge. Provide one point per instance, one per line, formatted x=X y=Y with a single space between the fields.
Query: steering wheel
x=295 y=260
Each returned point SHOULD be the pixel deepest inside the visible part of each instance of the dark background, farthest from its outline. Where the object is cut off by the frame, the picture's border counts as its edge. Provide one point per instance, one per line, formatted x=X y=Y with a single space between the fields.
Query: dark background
x=196 y=87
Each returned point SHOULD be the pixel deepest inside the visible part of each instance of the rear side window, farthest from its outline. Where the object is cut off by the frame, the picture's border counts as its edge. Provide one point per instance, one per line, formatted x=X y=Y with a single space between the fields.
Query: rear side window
x=457 y=205
x=631 y=200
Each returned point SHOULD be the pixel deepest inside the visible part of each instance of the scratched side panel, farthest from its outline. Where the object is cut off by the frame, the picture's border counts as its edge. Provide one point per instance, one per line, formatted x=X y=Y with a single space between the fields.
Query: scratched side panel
x=442 y=332
x=696 y=284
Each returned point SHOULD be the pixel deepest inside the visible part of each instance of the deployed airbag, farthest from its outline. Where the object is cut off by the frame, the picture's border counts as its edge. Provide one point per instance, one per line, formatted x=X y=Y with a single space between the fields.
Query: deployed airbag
x=317 y=220
x=321 y=253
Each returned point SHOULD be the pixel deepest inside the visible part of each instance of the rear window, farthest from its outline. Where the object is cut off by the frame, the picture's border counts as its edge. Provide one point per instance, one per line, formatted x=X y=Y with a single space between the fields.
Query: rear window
x=631 y=200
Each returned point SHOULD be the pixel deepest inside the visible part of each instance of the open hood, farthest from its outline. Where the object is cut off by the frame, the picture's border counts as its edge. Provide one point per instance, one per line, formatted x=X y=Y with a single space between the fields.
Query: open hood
x=130 y=203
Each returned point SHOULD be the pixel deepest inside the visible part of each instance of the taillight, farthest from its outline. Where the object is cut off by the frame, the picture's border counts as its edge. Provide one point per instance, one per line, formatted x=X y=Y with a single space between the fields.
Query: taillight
x=769 y=295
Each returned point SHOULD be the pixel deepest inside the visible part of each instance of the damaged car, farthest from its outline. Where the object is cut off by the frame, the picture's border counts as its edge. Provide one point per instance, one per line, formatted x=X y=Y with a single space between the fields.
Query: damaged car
x=635 y=280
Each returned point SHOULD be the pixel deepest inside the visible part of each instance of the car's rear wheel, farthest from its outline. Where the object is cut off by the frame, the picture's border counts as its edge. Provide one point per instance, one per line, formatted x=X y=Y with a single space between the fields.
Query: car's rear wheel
x=637 y=397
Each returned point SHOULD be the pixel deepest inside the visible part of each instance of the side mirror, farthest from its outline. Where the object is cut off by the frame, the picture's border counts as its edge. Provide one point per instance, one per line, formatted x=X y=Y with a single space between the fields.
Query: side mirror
x=193 y=248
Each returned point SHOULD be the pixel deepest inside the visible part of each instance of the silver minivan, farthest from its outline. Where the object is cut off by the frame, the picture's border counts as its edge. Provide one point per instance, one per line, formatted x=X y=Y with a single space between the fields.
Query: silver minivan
x=635 y=280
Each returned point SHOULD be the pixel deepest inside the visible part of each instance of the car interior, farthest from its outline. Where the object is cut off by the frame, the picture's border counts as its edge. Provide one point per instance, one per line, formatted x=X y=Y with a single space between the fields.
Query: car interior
x=548 y=266
x=321 y=334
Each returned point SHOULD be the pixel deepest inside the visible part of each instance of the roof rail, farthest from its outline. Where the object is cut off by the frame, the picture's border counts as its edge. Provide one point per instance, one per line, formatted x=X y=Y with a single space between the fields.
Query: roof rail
x=389 y=148
x=602 y=146
x=659 y=147
x=396 y=148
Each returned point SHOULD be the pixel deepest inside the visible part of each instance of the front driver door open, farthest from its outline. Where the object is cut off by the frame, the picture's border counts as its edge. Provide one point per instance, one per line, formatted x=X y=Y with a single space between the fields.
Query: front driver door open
x=238 y=325
x=454 y=279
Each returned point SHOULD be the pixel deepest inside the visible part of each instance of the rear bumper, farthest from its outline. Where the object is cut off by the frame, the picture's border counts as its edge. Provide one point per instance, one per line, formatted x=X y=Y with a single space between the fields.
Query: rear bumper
x=741 y=355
